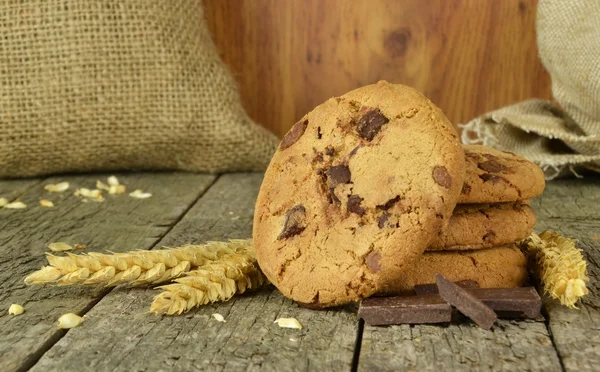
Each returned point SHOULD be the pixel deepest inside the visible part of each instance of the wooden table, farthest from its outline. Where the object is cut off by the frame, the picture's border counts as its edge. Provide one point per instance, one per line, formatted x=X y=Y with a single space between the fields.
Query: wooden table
x=120 y=334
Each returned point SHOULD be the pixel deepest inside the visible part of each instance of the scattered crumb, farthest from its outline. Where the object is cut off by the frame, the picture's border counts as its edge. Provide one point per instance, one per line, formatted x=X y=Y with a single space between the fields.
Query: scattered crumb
x=288 y=323
x=3 y=202
x=219 y=317
x=94 y=194
x=59 y=247
x=15 y=205
x=293 y=339
x=15 y=309
x=102 y=186
x=113 y=181
x=80 y=246
x=46 y=203
x=57 y=187
x=69 y=320
x=139 y=194
x=417 y=340
x=596 y=237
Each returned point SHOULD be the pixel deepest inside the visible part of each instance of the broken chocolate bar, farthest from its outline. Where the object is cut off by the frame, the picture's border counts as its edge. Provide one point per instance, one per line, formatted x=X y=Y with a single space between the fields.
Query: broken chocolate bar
x=511 y=302
x=429 y=289
x=405 y=310
x=466 y=303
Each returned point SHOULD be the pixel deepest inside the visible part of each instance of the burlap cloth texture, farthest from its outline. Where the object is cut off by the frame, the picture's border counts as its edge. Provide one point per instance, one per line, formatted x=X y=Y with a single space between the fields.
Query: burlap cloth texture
x=560 y=138
x=90 y=85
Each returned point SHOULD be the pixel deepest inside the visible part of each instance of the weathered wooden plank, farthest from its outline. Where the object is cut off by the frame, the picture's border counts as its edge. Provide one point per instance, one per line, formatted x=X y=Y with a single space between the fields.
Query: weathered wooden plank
x=13 y=189
x=119 y=335
x=571 y=207
x=118 y=224
x=510 y=346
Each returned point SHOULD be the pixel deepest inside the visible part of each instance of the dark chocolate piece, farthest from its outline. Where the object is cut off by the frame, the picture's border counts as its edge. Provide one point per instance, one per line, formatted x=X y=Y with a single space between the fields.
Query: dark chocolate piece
x=294 y=222
x=430 y=289
x=492 y=166
x=390 y=203
x=524 y=301
x=372 y=261
x=354 y=205
x=370 y=124
x=486 y=177
x=382 y=220
x=442 y=177
x=404 y=310
x=466 y=189
x=466 y=303
x=293 y=134
x=339 y=174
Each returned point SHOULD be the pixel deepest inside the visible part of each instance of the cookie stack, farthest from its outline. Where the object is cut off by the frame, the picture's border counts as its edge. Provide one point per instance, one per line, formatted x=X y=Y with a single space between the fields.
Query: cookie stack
x=372 y=192
x=492 y=215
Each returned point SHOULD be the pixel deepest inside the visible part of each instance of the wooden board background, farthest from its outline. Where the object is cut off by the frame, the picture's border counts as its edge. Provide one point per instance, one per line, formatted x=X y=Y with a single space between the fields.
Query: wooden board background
x=467 y=56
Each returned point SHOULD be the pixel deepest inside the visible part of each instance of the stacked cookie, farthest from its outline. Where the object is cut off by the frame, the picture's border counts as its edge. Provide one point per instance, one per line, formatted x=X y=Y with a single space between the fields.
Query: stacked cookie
x=372 y=192
x=492 y=215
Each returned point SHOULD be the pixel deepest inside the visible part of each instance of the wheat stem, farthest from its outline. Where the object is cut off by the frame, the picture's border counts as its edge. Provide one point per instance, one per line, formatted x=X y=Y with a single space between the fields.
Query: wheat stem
x=136 y=267
x=560 y=266
x=217 y=281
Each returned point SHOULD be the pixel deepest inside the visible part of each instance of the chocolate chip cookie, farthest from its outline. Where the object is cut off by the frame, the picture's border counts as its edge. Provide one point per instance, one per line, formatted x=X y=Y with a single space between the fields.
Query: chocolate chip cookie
x=355 y=193
x=494 y=176
x=499 y=267
x=476 y=226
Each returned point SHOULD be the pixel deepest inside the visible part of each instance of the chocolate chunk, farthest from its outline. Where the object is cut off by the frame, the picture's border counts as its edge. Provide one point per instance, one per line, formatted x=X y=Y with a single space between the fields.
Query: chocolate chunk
x=319 y=135
x=370 y=124
x=294 y=134
x=466 y=189
x=405 y=310
x=486 y=177
x=329 y=150
x=511 y=302
x=429 y=289
x=294 y=222
x=466 y=303
x=442 y=177
x=492 y=166
x=372 y=261
x=354 y=205
x=339 y=174
x=382 y=220
x=390 y=203
x=490 y=157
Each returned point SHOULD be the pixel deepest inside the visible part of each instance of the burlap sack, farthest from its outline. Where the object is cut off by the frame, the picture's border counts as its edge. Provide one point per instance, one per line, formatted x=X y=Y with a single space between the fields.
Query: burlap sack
x=561 y=138
x=118 y=84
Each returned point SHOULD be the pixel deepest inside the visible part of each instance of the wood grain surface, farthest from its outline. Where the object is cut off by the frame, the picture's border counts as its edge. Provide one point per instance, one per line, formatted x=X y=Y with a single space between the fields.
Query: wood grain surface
x=467 y=56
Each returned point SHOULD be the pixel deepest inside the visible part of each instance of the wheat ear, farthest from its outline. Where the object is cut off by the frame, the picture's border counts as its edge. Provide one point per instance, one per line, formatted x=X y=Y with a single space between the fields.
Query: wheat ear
x=134 y=268
x=560 y=266
x=217 y=281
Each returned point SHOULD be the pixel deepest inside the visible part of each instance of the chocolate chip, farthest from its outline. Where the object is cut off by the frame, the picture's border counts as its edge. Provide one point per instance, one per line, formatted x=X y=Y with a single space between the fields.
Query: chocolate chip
x=466 y=189
x=338 y=174
x=370 y=124
x=354 y=205
x=390 y=203
x=486 y=177
x=382 y=220
x=490 y=157
x=294 y=134
x=492 y=166
x=294 y=222
x=329 y=150
x=442 y=177
x=372 y=261
x=319 y=135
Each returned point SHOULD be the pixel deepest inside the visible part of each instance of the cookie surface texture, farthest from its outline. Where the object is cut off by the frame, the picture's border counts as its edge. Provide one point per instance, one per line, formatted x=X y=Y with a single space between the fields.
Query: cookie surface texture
x=356 y=192
x=494 y=176
x=498 y=267
x=477 y=226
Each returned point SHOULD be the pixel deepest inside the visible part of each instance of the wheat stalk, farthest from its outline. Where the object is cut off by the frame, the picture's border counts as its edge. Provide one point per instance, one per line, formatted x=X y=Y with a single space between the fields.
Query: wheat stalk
x=216 y=281
x=136 y=267
x=560 y=266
